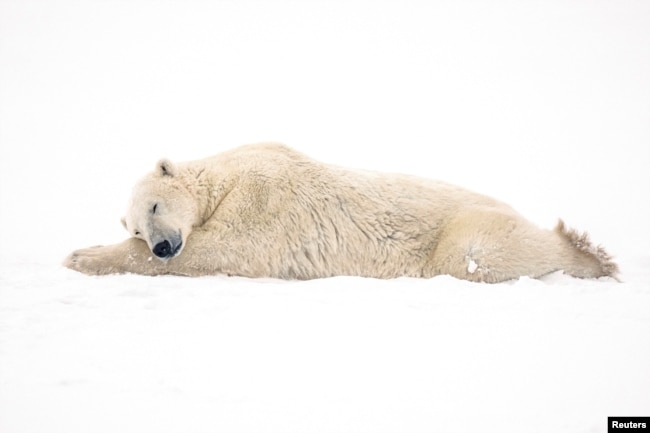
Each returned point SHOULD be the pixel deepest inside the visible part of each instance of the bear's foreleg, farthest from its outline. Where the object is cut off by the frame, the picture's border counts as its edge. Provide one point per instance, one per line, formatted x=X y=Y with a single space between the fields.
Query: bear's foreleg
x=131 y=256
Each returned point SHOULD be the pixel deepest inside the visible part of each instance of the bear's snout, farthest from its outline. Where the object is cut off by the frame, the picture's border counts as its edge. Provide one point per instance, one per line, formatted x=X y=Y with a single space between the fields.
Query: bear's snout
x=164 y=249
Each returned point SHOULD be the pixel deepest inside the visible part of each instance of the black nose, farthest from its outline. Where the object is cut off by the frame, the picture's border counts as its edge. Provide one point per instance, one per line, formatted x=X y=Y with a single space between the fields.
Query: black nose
x=163 y=249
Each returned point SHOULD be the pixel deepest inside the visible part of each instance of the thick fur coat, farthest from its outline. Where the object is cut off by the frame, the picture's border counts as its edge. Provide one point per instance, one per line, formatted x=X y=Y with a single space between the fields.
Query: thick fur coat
x=265 y=210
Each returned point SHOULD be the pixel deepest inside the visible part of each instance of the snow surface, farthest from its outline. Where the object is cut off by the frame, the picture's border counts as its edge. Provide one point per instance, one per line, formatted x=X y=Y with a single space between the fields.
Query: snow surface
x=544 y=105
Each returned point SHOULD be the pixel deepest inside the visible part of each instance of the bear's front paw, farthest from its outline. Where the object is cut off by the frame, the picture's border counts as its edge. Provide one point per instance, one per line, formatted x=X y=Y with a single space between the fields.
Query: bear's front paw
x=91 y=261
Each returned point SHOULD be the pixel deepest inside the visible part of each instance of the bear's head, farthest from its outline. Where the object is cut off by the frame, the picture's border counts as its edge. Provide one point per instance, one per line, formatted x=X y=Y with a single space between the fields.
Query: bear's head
x=162 y=211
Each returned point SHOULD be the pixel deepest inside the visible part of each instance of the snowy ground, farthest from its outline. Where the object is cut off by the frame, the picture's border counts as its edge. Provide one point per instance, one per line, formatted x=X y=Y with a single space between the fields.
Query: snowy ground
x=170 y=354
x=544 y=105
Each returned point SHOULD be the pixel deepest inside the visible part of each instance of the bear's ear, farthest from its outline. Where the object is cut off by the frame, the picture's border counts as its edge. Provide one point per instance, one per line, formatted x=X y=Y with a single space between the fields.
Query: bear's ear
x=165 y=168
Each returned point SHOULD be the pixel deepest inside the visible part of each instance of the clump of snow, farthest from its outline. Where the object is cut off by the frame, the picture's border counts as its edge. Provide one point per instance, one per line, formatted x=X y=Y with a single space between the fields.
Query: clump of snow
x=472 y=266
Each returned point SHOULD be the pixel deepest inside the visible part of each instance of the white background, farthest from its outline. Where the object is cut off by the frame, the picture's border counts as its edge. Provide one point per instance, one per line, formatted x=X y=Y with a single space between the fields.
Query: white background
x=545 y=105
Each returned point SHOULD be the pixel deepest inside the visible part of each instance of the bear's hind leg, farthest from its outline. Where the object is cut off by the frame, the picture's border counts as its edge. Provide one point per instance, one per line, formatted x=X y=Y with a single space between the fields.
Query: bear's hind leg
x=492 y=246
x=585 y=260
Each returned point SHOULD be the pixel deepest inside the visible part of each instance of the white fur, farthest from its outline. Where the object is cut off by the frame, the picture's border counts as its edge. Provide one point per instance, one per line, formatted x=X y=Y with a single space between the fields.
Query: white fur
x=265 y=210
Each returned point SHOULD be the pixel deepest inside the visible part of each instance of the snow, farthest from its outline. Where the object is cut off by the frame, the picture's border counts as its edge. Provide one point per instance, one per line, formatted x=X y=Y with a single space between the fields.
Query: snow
x=168 y=354
x=472 y=266
x=543 y=105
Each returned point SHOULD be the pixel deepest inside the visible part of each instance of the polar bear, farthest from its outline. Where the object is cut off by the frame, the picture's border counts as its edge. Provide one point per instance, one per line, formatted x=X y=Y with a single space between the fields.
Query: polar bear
x=266 y=210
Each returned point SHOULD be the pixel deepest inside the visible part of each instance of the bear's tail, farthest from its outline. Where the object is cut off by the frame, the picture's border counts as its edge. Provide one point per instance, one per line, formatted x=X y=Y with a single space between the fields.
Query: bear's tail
x=587 y=260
